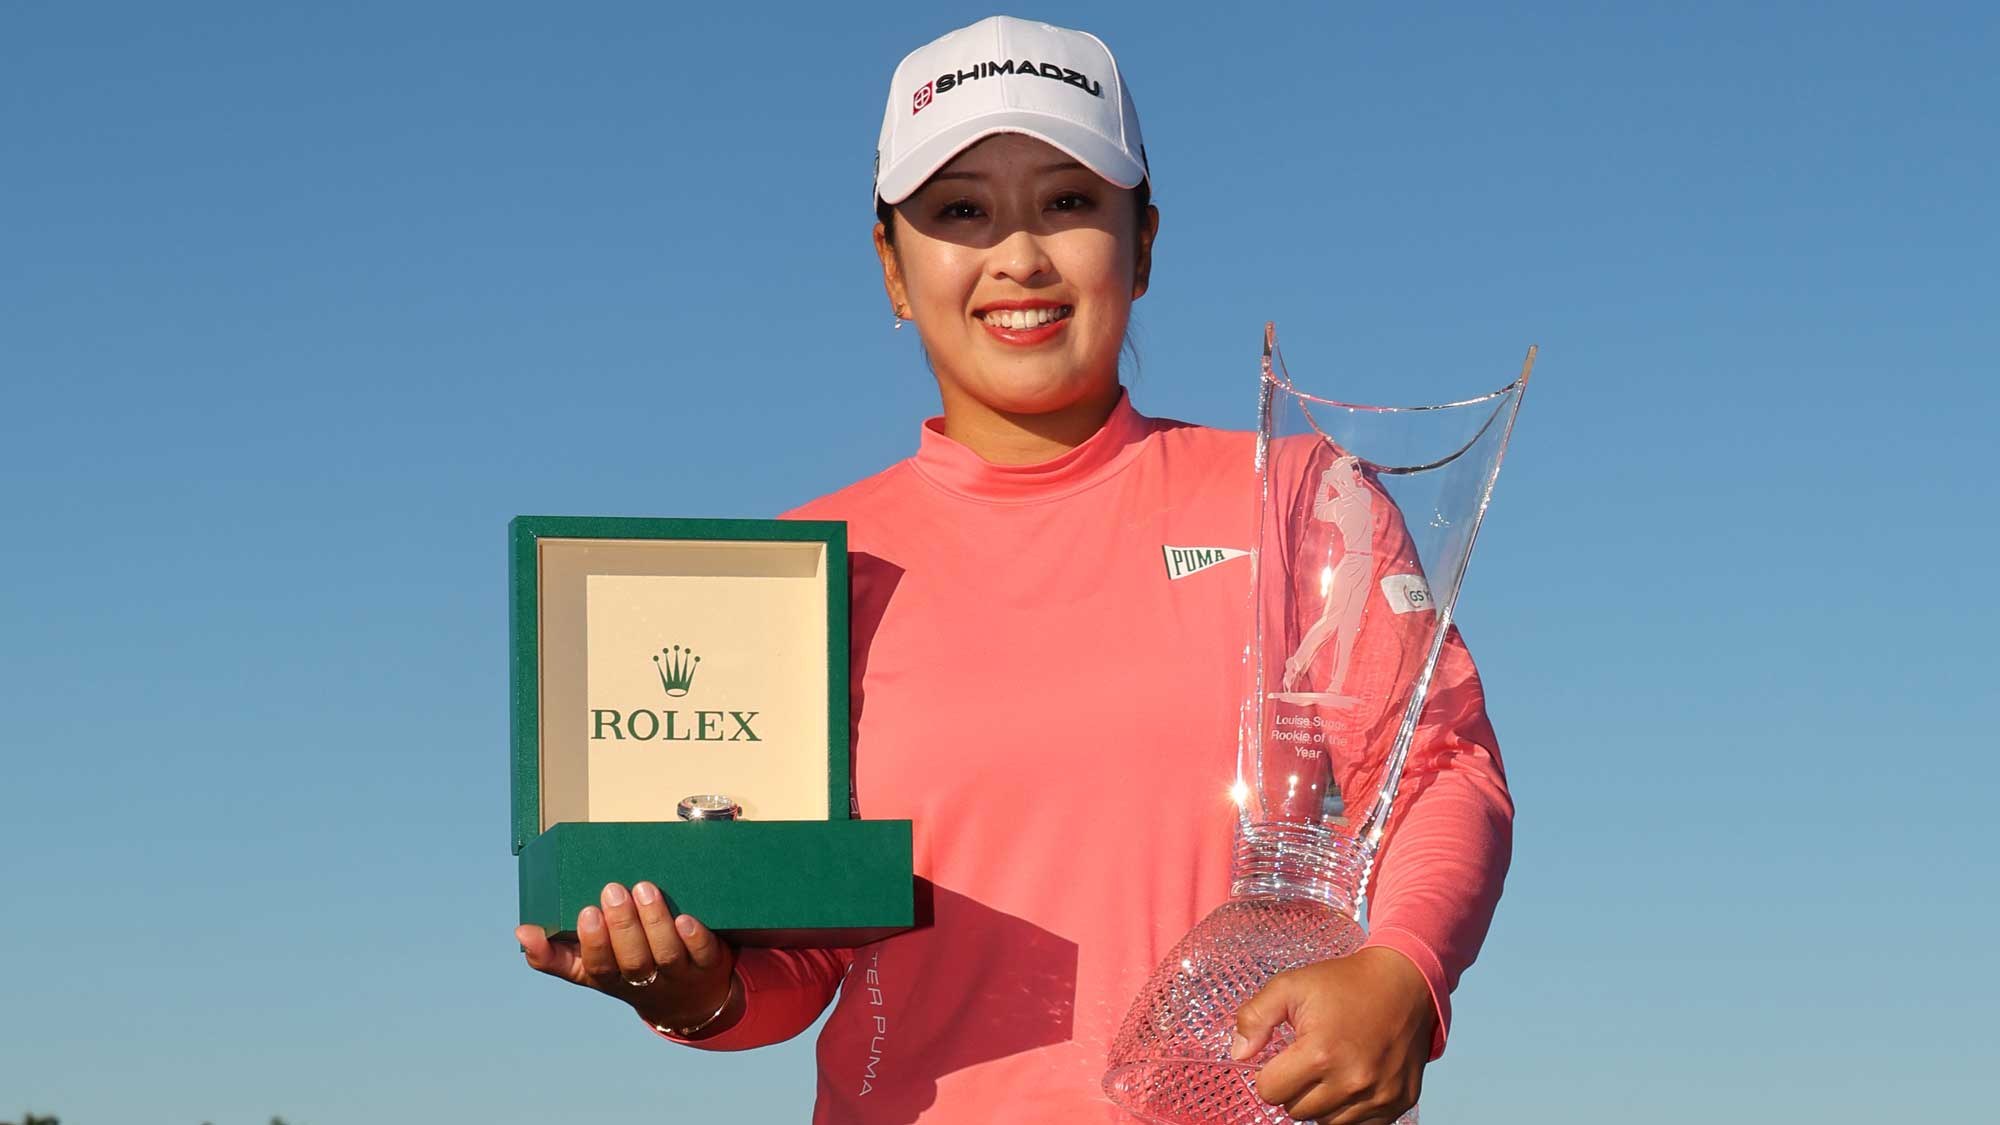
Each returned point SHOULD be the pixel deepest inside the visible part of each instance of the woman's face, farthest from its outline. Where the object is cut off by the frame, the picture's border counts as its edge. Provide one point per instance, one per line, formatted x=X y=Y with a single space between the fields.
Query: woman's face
x=1019 y=267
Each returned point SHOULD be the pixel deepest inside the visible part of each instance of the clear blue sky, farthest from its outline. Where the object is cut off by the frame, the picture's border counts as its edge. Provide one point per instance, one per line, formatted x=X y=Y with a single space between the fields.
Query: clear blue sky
x=299 y=304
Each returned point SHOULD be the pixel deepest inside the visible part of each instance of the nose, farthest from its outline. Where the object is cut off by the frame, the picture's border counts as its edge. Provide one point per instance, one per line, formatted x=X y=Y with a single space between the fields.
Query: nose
x=1020 y=258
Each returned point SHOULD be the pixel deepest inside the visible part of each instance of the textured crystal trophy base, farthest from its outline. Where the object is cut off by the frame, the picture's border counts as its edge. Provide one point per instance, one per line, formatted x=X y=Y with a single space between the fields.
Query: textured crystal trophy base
x=1291 y=904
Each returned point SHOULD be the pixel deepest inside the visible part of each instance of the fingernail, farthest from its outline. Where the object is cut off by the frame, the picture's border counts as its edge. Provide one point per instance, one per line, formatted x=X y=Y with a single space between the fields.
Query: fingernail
x=645 y=893
x=614 y=895
x=686 y=925
x=1239 y=1047
x=588 y=918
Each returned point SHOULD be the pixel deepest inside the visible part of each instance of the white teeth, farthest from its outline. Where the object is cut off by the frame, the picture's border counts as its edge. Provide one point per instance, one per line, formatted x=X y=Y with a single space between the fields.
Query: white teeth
x=1018 y=319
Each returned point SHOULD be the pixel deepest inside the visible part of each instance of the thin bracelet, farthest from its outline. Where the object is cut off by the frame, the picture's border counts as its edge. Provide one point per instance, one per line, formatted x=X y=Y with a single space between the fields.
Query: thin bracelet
x=690 y=1032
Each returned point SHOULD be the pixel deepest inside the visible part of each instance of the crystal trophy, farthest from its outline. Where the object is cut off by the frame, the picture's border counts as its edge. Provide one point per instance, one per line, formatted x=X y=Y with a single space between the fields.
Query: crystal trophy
x=1366 y=517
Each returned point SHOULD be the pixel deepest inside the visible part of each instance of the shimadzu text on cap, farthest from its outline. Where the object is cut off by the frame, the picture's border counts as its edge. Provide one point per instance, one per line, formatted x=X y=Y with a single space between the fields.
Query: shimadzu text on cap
x=1005 y=75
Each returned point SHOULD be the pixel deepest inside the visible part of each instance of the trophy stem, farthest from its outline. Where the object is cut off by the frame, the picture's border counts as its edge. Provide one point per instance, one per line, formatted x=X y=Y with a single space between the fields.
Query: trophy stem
x=1292 y=860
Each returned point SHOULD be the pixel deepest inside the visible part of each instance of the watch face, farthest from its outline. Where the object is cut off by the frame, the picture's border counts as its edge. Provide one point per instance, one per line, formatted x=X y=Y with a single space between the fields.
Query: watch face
x=708 y=806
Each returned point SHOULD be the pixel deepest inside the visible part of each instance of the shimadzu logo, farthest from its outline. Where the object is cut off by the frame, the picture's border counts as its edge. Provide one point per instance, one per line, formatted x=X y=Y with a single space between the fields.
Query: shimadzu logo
x=676 y=668
x=1183 y=561
x=952 y=79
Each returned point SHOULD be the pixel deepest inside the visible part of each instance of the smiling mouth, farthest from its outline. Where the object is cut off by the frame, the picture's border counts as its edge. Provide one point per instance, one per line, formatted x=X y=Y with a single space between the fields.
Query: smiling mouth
x=1020 y=319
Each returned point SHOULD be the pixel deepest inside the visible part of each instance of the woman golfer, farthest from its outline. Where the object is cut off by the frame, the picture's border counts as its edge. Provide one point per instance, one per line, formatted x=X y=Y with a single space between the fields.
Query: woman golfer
x=1038 y=689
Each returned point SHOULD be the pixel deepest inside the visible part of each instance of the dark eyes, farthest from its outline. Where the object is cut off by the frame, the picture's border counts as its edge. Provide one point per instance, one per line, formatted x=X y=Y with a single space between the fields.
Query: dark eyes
x=962 y=210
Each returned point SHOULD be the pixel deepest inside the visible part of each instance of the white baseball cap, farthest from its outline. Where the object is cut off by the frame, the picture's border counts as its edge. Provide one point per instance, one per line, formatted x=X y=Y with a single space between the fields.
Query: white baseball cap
x=1003 y=75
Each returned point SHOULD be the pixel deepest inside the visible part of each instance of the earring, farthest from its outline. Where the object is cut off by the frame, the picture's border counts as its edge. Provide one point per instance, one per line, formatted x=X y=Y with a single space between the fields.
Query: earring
x=899 y=323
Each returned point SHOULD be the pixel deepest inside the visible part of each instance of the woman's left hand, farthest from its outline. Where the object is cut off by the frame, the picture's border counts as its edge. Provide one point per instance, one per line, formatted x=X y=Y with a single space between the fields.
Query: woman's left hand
x=1363 y=1024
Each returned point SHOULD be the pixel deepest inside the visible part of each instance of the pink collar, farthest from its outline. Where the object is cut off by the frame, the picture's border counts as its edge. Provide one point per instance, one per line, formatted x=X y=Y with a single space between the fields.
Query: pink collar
x=958 y=470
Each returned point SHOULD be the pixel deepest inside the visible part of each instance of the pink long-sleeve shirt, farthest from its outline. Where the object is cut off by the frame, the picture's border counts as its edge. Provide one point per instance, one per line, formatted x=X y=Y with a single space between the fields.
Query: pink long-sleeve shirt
x=1050 y=695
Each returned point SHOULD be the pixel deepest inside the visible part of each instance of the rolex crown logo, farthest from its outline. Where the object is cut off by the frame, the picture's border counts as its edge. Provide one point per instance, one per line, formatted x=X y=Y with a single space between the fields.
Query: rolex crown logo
x=676 y=669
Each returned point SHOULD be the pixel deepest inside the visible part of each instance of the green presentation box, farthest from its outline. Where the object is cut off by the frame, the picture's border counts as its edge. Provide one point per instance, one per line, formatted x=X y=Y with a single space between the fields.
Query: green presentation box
x=815 y=883
x=657 y=660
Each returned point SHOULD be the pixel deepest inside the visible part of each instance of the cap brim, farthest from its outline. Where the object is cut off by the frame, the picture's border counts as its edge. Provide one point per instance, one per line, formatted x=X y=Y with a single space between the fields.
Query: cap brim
x=1090 y=148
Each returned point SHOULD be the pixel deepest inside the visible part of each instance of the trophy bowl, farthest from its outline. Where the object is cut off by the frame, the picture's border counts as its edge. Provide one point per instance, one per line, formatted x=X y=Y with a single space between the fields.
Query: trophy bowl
x=1171 y=1061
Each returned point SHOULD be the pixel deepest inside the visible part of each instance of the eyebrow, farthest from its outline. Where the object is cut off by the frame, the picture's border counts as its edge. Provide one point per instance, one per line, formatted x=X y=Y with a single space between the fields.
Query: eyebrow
x=1065 y=166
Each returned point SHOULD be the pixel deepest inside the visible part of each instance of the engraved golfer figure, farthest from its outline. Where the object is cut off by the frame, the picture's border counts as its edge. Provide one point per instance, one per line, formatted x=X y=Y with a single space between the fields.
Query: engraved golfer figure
x=1344 y=500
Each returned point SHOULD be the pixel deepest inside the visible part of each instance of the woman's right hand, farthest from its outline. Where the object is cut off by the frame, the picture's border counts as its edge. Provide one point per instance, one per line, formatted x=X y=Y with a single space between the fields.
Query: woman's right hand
x=673 y=971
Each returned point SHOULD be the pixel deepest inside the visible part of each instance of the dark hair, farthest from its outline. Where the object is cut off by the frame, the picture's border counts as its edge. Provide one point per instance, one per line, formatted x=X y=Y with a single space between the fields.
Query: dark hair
x=1142 y=197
